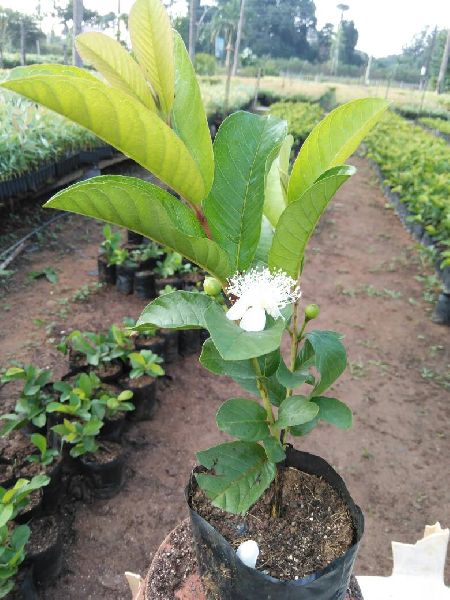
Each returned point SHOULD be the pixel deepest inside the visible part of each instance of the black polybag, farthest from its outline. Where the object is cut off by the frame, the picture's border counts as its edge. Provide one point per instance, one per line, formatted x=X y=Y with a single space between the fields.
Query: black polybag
x=225 y=577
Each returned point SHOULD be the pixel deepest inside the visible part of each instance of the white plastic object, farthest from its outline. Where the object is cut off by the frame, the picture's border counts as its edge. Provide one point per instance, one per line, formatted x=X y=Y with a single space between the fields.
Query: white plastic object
x=248 y=552
x=418 y=572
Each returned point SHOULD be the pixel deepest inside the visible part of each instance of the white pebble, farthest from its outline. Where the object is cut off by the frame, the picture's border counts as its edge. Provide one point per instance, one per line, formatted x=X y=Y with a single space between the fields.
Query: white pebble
x=248 y=552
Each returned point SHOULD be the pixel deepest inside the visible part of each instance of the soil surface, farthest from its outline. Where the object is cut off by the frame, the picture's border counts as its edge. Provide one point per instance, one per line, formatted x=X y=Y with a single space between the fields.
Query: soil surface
x=314 y=529
x=361 y=269
x=174 y=574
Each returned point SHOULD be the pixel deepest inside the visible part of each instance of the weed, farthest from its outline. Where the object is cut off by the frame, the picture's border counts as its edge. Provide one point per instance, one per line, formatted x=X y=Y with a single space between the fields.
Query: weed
x=85 y=291
x=357 y=369
x=366 y=454
x=48 y=272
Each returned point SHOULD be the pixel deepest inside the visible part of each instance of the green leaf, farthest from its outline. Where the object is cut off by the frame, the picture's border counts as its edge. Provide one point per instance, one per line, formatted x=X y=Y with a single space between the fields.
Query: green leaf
x=236 y=369
x=300 y=430
x=332 y=141
x=51 y=69
x=298 y=222
x=269 y=363
x=292 y=379
x=243 y=419
x=275 y=194
x=244 y=148
x=330 y=357
x=176 y=310
x=40 y=442
x=152 y=41
x=20 y=536
x=334 y=411
x=188 y=114
x=147 y=209
x=274 y=450
x=6 y=512
x=233 y=343
x=242 y=474
x=115 y=64
x=265 y=242
x=296 y=410
x=120 y=120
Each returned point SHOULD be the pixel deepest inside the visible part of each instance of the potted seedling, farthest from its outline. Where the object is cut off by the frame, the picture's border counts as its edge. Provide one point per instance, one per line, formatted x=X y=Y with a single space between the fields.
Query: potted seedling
x=48 y=461
x=108 y=248
x=30 y=408
x=142 y=381
x=111 y=408
x=101 y=462
x=23 y=500
x=126 y=268
x=167 y=272
x=13 y=539
x=247 y=223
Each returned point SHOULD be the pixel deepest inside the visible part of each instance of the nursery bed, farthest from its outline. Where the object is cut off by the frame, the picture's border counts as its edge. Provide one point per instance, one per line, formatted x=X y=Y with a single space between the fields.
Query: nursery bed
x=362 y=267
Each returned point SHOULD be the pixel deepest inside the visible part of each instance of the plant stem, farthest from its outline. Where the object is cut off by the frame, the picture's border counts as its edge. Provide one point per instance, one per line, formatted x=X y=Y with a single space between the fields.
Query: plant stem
x=278 y=483
x=263 y=392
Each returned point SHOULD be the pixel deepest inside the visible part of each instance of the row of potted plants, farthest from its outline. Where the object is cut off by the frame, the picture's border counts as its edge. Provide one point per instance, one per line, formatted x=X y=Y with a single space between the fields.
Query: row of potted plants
x=143 y=267
x=38 y=146
x=302 y=117
x=65 y=429
x=440 y=127
x=414 y=167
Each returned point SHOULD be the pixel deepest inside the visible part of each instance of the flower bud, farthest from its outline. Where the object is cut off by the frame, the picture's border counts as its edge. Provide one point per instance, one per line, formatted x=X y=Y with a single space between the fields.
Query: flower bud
x=312 y=311
x=212 y=286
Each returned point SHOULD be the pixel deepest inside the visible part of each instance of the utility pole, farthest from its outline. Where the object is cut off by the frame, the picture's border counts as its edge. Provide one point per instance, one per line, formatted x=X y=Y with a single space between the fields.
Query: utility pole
x=192 y=29
x=335 y=62
x=444 y=64
x=77 y=28
x=367 y=75
x=238 y=38
x=118 y=21
x=23 y=35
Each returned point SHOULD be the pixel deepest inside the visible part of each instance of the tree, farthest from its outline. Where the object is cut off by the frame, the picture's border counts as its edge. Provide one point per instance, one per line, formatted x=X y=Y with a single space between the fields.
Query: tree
x=238 y=37
x=349 y=39
x=443 y=69
x=325 y=42
x=280 y=27
x=225 y=22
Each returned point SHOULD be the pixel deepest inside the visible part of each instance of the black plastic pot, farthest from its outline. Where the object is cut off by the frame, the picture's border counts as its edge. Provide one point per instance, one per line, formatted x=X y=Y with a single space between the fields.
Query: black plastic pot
x=106 y=273
x=46 y=559
x=104 y=476
x=188 y=341
x=161 y=282
x=33 y=510
x=53 y=491
x=25 y=588
x=144 y=284
x=125 y=277
x=134 y=238
x=223 y=571
x=66 y=165
x=77 y=363
x=171 y=350
x=144 y=399
x=113 y=429
x=442 y=310
x=156 y=344
x=113 y=374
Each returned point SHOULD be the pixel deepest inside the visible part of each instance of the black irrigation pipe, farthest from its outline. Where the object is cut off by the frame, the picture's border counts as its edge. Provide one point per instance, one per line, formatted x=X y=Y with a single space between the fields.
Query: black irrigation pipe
x=11 y=249
x=442 y=310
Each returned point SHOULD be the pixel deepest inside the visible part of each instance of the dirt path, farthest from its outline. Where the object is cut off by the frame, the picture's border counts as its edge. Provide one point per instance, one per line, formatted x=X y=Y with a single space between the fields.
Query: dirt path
x=361 y=269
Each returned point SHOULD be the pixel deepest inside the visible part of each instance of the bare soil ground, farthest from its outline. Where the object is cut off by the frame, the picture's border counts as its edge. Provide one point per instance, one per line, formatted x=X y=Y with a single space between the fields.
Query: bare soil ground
x=361 y=268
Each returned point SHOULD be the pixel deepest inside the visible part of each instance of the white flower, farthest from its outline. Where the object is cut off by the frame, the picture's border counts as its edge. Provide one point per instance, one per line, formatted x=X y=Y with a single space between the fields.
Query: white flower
x=258 y=292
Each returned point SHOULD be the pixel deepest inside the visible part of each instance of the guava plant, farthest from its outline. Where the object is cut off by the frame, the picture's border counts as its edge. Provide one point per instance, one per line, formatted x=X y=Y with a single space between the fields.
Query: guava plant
x=240 y=213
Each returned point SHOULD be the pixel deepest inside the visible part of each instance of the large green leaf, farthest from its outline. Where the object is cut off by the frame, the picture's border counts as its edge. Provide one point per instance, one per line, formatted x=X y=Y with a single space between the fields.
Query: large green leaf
x=242 y=474
x=120 y=120
x=296 y=410
x=50 y=69
x=275 y=194
x=152 y=41
x=236 y=369
x=177 y=310
x=115 y=64
x=243 y=419
x=332 y=141
x=244 y=148
x=146 y=209
x=297 y=223
x=188 y=114
x=233 y=343
x=330 y=357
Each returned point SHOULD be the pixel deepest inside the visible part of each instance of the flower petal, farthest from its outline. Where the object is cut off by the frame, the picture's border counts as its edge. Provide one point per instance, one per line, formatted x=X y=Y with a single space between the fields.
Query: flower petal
x=254 y=319
x=237 y=311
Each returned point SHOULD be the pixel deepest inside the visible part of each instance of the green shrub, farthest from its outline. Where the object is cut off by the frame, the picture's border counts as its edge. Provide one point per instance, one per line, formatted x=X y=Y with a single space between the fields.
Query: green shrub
x=205 y=64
